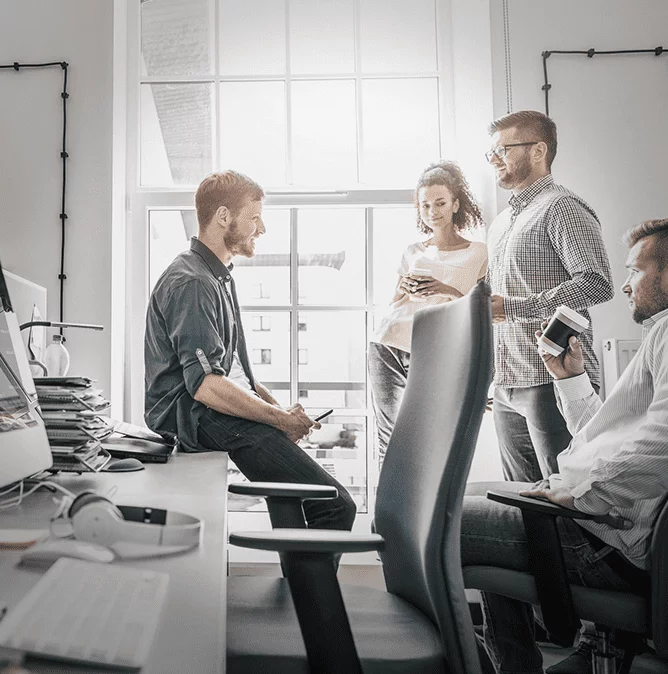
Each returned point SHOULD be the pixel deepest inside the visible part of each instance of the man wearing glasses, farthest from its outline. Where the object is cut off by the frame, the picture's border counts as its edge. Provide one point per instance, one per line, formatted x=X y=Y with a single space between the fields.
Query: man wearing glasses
x=545 y=250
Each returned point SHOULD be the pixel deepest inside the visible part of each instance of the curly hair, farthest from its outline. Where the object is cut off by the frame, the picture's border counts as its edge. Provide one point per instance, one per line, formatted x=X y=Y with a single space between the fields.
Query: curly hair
x=448 y=174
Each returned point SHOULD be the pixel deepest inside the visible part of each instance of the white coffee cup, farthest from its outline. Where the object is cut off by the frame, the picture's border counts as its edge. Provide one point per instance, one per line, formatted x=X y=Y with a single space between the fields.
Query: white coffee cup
x=564 y=324
x=419 y=271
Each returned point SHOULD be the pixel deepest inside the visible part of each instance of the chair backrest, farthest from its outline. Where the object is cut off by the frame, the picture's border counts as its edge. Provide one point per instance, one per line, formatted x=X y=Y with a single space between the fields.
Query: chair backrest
x=422 y=482
x=659 y=575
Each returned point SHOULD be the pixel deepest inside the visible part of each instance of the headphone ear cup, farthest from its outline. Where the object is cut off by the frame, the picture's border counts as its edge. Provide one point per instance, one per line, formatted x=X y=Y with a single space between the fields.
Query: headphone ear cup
x=95 y=518
x=83 y=499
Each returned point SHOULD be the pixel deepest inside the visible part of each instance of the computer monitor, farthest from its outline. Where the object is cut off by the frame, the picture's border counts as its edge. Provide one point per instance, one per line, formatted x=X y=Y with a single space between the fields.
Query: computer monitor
x=24 y=446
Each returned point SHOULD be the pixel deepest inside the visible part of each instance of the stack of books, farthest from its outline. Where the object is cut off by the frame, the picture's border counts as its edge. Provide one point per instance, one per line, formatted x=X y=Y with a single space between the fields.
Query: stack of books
x=75 y=425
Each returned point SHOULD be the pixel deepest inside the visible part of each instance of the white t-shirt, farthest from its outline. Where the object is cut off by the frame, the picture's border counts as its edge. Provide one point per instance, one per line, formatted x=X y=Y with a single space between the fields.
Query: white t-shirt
x=238 y=376
x=460 y=269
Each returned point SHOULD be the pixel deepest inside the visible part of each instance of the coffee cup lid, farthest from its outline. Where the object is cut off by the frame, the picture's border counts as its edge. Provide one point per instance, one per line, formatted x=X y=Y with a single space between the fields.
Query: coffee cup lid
x=573 y=316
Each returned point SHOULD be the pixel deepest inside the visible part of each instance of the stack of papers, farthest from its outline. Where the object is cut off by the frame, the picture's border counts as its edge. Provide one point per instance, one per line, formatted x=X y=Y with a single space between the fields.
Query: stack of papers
x=72 y=412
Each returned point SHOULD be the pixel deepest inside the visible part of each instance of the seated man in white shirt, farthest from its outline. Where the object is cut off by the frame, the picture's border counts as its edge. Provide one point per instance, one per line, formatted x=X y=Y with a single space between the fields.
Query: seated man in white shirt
x=616 y=464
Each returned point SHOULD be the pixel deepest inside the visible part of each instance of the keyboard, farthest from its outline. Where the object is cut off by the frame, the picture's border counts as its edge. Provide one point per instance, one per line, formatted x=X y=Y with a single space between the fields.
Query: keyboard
x=90 y=613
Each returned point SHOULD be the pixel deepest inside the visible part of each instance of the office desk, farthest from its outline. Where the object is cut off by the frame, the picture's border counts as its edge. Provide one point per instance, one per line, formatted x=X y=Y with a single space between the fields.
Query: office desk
x=191 y=633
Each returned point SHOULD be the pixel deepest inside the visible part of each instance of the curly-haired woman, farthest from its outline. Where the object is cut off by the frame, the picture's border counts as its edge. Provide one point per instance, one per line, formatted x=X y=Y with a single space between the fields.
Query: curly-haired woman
x=443 y=267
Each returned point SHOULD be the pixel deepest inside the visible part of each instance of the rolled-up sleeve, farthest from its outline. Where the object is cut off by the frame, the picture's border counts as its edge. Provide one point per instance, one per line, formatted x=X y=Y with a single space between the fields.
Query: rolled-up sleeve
x=191 y=316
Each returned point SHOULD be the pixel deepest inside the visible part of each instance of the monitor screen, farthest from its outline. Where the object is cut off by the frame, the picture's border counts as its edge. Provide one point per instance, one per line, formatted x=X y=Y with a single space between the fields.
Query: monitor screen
x=24 y=447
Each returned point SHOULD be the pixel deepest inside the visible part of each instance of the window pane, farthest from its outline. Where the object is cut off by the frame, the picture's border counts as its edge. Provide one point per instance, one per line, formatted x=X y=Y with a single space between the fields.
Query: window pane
x=265 y=278
x=314 y=50
x=398 y=36
x=176 y=133
x=340 y=448
x=253 y=130
x=335 y=374
x=393 y=230
x=332 y=251
x=252 y=37
x=400 y=123
x=176 y=37
x=170 y=233
x=324 y=143
x=346 y=395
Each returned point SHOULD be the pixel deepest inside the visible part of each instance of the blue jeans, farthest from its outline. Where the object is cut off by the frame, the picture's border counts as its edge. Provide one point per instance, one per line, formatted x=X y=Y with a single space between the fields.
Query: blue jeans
x=531 y=432
x=493 y=535
x=388 y=373
x=265 y=454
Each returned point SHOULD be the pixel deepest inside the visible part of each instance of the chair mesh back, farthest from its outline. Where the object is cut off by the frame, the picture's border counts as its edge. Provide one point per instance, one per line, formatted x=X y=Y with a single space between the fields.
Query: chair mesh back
x=424 y=474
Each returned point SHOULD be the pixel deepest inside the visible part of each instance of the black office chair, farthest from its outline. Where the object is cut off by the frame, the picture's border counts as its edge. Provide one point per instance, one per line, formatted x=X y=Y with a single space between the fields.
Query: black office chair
x=634 y=617
x=422 y=622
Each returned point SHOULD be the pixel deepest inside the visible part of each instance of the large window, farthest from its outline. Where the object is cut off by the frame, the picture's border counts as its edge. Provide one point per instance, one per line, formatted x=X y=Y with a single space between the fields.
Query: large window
x=334 y=106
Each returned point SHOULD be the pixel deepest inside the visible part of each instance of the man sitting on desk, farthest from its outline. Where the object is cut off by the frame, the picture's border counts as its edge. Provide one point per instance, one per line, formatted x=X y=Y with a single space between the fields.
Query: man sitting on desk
x=616 y=463
x=199 y=384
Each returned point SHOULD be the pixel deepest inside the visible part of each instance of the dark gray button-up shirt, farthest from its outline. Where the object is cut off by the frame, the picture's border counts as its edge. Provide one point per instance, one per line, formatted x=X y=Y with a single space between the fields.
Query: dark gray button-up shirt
x=193 y=328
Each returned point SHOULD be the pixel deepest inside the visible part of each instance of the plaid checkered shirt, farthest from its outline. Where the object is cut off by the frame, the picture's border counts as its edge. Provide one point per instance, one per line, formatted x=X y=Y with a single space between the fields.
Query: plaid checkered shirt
x=545 y=250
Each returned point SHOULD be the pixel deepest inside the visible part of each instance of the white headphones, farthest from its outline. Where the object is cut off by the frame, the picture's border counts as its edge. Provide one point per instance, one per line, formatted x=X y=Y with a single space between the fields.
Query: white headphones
x=96 y=519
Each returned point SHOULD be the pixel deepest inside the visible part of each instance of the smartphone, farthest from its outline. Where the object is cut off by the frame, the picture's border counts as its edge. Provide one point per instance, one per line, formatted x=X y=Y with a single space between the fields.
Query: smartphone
x=323 y=415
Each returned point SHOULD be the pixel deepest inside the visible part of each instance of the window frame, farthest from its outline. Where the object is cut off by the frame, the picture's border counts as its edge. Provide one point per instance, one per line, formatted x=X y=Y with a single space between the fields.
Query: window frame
x=140 y=200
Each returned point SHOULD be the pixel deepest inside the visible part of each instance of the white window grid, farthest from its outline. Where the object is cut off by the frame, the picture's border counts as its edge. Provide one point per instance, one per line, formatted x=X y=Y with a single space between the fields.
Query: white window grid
x=140 y=200
x=442 y=74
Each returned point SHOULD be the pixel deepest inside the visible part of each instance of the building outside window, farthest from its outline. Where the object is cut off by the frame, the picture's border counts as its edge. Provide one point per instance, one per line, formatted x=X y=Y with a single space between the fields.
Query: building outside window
x=262 y=356
x=261 y=323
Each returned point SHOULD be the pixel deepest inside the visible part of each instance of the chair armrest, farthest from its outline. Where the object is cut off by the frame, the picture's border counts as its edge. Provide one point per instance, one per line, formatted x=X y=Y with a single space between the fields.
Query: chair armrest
x=545 y=507
x=536 y=505
x=546 y=562
x=284 y=490
x=307 y=540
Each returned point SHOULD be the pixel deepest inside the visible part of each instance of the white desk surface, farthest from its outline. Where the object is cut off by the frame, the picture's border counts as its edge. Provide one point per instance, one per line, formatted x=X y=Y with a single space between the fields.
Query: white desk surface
x=191 y=632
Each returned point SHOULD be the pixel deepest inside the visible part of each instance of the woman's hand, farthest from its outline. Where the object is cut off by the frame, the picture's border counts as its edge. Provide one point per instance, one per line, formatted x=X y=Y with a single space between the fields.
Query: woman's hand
x=427 y=286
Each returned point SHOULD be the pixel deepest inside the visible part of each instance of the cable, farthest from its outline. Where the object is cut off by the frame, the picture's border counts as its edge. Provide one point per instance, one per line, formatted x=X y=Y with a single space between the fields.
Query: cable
x=63 y=65
x=508 y=63
x=589 y=53
x=10 y=489
x=12 y=503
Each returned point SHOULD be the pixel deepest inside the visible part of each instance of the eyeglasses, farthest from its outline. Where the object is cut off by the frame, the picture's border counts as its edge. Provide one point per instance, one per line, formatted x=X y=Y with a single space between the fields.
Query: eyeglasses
x=500 y=151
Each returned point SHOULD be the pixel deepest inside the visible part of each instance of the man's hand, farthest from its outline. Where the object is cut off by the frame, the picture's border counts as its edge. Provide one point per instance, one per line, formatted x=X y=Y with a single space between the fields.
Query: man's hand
x=561 y=497
x=570 y=363
x=297 y=424
x=498 y=311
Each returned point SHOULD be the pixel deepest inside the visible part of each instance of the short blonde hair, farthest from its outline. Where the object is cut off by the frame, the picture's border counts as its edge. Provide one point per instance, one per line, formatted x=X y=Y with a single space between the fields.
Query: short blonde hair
x=228 y=188
x=534 y=124
x=657 y=228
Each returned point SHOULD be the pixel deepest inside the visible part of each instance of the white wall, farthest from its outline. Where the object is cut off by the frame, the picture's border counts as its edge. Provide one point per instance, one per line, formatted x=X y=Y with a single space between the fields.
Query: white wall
x=79 y=32
x=610 y=112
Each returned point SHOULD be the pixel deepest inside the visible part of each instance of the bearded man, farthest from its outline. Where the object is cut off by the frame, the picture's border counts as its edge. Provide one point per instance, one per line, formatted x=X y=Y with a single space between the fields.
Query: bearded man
x=545 y=250
x=199 y=386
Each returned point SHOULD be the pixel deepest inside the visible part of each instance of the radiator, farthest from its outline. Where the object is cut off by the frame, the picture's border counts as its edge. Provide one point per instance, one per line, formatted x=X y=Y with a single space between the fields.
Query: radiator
x=617 y=354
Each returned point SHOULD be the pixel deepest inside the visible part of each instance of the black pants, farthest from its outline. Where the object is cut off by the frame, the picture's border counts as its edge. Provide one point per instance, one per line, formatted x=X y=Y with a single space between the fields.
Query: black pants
x=265 y=454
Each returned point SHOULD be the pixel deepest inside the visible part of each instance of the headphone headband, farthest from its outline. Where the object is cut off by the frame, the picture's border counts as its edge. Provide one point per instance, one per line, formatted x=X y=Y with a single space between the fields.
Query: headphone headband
x=95 y=518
